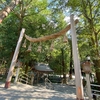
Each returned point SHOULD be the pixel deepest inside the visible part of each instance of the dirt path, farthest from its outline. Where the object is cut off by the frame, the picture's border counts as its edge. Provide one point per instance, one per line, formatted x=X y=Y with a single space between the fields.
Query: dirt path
x=26 y=92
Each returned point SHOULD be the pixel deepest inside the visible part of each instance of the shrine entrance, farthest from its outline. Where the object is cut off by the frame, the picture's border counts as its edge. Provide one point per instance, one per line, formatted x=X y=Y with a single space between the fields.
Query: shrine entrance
x=79 y=88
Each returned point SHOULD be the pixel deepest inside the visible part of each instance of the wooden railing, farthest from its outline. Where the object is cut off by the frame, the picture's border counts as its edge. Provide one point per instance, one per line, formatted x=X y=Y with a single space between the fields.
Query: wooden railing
x=24 y=78
x=96 y=91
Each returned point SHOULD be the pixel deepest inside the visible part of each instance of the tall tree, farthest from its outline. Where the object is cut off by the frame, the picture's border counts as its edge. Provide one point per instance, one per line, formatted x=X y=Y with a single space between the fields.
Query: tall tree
x=88 y=11
x=8 y=8
x=89 y=32
x=38 y=19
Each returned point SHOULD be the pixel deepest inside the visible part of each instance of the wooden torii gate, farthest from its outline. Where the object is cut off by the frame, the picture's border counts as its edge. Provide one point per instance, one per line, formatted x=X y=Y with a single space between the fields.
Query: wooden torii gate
x=79 y=87
x=45 y=38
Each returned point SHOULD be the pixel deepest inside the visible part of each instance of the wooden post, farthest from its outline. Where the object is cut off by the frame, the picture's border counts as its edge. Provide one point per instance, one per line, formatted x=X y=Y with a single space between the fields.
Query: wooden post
x=17 y=73
x=32 y=77
x=78 y=79
x=18 y=65
x=13 y=63
x=88 y=87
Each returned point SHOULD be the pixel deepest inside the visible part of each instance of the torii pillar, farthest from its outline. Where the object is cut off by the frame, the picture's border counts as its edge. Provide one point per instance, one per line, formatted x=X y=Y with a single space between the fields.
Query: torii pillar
x=78 y=79
x=14 y=59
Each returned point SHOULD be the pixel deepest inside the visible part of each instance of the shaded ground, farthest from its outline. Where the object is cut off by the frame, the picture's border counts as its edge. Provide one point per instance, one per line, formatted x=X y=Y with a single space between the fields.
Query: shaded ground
x=26 y=92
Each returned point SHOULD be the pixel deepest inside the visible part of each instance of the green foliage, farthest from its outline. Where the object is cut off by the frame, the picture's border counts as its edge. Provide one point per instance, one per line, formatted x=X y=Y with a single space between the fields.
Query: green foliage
x=8 y=37
x=39 y=19
x=87 y=32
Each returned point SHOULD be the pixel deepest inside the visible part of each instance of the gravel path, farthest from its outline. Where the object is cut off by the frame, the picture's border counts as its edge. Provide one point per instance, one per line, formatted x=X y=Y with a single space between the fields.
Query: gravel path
x=20 y=91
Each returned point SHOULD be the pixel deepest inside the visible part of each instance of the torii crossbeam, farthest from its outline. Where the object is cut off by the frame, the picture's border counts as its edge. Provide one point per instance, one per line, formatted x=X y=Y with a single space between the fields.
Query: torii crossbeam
x=52 y=36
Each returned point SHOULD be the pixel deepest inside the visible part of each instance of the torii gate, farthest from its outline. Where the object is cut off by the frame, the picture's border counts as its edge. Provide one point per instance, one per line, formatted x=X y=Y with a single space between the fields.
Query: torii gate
x=79 y=86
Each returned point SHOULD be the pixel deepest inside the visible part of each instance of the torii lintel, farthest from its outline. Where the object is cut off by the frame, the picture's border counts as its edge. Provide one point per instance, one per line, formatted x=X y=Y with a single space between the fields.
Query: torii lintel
x=52 y=36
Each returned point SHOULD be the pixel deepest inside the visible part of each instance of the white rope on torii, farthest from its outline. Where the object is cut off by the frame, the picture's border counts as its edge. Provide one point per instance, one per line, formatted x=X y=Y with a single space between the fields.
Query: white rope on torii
x=52 y=36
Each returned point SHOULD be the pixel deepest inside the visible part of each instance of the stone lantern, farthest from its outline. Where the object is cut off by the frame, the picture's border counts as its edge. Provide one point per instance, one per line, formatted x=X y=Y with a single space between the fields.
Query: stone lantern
x=86 y=66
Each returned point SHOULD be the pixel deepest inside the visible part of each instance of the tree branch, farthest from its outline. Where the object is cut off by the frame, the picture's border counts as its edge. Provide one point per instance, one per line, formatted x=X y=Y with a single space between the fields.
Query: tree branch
x=4 y=13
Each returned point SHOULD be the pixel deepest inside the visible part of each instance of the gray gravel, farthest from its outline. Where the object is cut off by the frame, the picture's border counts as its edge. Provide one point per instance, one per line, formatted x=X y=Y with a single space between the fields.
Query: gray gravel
x=20 y=91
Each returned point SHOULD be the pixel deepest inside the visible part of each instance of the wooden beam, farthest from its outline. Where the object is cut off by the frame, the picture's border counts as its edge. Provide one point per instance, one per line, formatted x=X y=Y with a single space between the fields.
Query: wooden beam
x=52 y=36
x=14 y=59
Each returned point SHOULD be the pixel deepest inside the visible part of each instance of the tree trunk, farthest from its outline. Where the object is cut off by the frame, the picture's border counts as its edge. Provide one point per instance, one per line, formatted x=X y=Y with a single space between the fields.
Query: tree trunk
x=8 y=9
x=63 y=65
x=97 y=67
x=26 y=69
x=71 y=69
